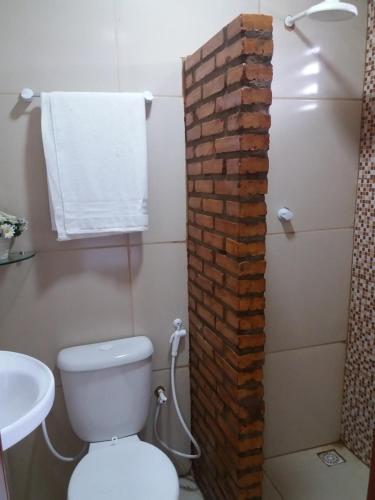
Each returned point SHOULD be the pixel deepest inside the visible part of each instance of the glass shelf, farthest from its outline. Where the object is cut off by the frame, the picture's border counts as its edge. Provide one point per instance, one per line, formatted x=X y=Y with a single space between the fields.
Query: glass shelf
x=17 y=257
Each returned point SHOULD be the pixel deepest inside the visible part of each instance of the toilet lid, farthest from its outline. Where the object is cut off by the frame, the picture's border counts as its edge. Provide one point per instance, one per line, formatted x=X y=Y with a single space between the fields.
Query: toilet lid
x=129 y=471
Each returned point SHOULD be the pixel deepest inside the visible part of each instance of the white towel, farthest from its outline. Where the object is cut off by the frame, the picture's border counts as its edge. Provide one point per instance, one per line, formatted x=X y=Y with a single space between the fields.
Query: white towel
x=96 y=156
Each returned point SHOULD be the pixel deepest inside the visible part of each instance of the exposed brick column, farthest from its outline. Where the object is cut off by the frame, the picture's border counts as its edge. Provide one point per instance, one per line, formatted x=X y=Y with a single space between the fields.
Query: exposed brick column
x=227 y=97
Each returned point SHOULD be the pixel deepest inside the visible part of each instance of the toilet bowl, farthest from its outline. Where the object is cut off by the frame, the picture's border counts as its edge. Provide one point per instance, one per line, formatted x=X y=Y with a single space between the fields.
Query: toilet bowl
x=128 y=469
x=107 y=390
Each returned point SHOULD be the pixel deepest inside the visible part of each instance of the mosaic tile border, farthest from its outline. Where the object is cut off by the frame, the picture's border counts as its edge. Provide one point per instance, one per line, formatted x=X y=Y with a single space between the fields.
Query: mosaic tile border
x=358 y=418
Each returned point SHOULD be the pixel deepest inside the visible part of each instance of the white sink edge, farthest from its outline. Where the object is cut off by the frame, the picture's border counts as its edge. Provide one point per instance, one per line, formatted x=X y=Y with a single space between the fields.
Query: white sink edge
x=15 y=432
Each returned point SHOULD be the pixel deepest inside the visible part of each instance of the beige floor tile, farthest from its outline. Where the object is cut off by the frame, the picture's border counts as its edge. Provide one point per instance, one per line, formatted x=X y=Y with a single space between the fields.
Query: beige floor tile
x=303 y=476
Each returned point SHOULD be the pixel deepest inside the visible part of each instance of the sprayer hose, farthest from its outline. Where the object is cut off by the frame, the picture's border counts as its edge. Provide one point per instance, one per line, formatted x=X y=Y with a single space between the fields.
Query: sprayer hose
x=53 y=450
x=181 y=418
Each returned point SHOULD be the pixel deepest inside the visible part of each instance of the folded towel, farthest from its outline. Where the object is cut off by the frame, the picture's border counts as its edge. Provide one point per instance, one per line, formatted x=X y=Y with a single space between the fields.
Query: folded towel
x=96 y=158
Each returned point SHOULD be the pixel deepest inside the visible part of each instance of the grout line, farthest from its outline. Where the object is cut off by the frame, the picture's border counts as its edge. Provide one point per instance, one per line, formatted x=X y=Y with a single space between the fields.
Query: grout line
x=117 y=46
x=307 y=98
x=107 y=247
x=315 y=447
x=168 y=369
x=180 y=96
x=273 y=484
x=292 y=233
x=304 y=347
x=132 y=314
x=156 y=243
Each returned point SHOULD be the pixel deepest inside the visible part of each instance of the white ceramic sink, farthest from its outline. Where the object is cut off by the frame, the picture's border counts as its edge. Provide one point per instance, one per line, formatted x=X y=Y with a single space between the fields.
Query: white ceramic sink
x=27 y=391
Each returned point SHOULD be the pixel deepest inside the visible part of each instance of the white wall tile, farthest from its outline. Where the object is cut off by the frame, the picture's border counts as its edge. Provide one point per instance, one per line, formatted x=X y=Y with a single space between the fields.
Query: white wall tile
x=153 y=36
x=317 y=59
x=169 y=426
x=166 y=173
x=159 y=287
x=314 y=156
x=60 y=299
x=56 y=45
x=308 y=285
x=23 y=190
x=303 y=395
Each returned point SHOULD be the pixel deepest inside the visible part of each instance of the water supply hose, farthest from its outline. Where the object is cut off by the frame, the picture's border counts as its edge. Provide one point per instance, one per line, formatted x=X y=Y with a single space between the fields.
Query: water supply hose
x=161 y=399
x=54 y=451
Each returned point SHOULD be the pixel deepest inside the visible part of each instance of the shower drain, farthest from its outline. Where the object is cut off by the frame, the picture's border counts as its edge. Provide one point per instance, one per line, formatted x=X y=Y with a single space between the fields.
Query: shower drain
x=331 y=457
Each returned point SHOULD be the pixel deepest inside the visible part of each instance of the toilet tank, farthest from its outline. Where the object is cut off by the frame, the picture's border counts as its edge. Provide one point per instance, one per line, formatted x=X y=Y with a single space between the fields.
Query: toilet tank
x=107 y=387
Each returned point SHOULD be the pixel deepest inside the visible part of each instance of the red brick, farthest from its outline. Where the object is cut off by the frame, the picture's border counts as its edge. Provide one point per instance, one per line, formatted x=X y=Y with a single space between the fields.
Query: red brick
x=227 y=263
x=213 y=305
x=258 y=46
x=213 y=127
x=189 y=80
x=252 y=187
x=195 y=232
x=213 y=240
x=195 y=202
x=253 y=120
x=214 y=86
x=230 y=53
x=204 y=69
x=204 y=253
x=206 y=315
x=251 y=165
x=194 y=133
x=240 y=249
x=212 y=205
x=204 y=283
x=248 y=142
x=251 y=341
x=193 y=97
x=192 y=60
x=205 y=110
x=227 y=227
x=189 y=152
x=213 y=44
x=256 y=96
x=236 y=74
x=214 y=274
x=213 y=339
x=195 y=292
x=258 y=73
x=256 y=23
x=214 y=166
x=204 y=220
x=194 y=168
x=229 y=101
x=196 y=263
x=189 y=119
x=227 y=187
x=204 y=186
x=242 y=209
x=205 y=149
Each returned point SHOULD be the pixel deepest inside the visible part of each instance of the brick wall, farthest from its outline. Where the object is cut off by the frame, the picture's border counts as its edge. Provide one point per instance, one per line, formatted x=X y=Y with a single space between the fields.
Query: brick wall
x=227 y=98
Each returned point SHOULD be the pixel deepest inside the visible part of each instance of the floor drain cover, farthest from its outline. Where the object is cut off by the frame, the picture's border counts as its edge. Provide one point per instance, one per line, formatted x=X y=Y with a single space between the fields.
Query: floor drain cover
x=331 y=457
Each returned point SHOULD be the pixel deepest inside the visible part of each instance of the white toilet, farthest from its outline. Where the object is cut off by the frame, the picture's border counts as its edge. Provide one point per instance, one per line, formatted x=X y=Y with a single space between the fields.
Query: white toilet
x=107 y=390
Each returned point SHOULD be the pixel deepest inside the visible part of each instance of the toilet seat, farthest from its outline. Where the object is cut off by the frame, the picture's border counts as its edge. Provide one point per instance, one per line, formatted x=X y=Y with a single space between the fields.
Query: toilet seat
x=128 y=470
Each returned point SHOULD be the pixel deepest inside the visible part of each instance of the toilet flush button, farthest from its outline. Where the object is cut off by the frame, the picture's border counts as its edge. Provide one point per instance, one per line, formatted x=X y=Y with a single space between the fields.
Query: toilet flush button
x=105 y=347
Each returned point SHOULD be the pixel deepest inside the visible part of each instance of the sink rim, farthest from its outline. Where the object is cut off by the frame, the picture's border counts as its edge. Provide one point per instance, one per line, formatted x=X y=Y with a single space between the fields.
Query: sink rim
x=33 y=417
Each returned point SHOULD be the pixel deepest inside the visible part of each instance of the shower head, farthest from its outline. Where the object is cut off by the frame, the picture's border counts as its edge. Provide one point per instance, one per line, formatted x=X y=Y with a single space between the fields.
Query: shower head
x=328 y=10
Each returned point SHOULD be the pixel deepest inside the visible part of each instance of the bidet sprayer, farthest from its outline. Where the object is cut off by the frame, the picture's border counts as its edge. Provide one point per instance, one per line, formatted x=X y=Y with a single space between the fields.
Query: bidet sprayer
x=176 y=336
